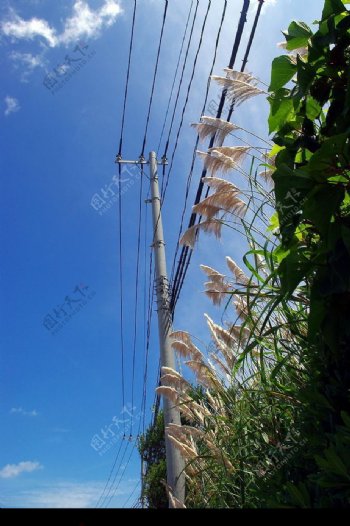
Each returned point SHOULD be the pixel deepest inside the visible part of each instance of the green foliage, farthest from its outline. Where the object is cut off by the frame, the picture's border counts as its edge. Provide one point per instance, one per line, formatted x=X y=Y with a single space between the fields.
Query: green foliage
x=281 y=417
x=312 y=182
x=152 y=451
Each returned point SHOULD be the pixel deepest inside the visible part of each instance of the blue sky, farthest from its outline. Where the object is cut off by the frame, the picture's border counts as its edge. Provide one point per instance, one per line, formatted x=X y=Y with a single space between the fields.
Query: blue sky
x=58 y=145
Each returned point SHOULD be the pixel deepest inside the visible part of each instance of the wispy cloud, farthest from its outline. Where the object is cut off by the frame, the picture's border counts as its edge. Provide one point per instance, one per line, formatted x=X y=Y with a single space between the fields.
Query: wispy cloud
x=13 y=470
x=88 y=23
x=84 y=22
x=18 y=28
x=11 y=105
x=21 y=411
x=67 y=494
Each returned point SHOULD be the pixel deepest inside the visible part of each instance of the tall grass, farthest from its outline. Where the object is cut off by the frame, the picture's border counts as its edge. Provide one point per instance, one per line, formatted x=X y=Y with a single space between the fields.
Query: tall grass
x=244 y=417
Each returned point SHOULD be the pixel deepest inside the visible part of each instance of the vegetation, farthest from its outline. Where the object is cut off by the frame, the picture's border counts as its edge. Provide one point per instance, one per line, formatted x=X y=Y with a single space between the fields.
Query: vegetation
x=271 y=425
x=152 y=451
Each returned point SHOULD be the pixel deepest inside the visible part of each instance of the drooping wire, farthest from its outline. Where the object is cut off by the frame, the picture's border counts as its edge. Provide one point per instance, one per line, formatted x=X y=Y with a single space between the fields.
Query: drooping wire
x=154 y=78
x=181 y=79
x=186 y=102
x=108 y=497
x=131 y=494
x=110 y=475
x=186 y=254
x=114 y=491
x=189 y=179
x=127 y=79
x=136 y=299
x=175 y=76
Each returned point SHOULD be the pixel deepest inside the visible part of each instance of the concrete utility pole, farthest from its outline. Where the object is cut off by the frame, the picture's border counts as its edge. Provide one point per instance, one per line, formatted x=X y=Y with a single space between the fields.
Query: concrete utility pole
x=174 y=461
x=175 y=464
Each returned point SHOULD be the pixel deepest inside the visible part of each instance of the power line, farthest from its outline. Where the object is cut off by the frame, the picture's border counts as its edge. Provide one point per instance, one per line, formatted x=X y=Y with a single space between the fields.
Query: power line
x=189 y=179
x=181 y=80
x=110 y=474
x=154 y=78
x=187 y=99
x=127 y=79
x=107 y=497
x=186 y=254
x=176 y=72
x=131 y=494
x=122 y=474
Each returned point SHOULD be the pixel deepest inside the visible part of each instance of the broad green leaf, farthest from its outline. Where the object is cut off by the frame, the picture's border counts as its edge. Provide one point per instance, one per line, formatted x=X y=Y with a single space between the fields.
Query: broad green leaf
x=313 y=108
x=276 y=149
x=281 y=109
x=283 y=70
x=297 y=35
x=332 y=7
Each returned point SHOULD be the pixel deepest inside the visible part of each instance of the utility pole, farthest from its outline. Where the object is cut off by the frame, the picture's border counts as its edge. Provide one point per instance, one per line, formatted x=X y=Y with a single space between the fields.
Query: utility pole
x=174 y=462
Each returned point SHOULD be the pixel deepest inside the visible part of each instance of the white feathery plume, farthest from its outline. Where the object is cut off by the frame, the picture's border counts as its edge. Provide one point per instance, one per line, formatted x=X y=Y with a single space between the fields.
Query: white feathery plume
x=221 y=365
x=241 y=334
x=182 y=343
x=212 y=226
x=204 y=374
x=219 y=184
x=236 y=153
x=181 y=431
x=241 y=307
x=240 y=276
x=170 y=393
x=210 y=126
x=175 y=381
x=240 y=75
x=186 y=451
x=267 y=173
x=217 y=162
x=224 y=200
x=180 y=335
x=174 y=503
x=216 y=291
x=213 y=274
x=220 y=338
x=237 y=90
x=216 y=403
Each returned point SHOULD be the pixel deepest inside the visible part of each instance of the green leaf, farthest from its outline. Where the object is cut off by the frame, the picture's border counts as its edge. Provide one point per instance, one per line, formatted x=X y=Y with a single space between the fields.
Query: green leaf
x=283 y=69
x=332 y=7
x=297 y=35
x=313 y=108
x=281 y=109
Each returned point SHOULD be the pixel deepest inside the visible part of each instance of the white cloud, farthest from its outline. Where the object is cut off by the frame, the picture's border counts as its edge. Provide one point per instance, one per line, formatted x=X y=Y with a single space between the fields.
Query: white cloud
x=67 y=494
x=84 y=22
x=13 y=470
x=21 y=411
x=12 y=105
x=18 y=28
x=88 y=23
